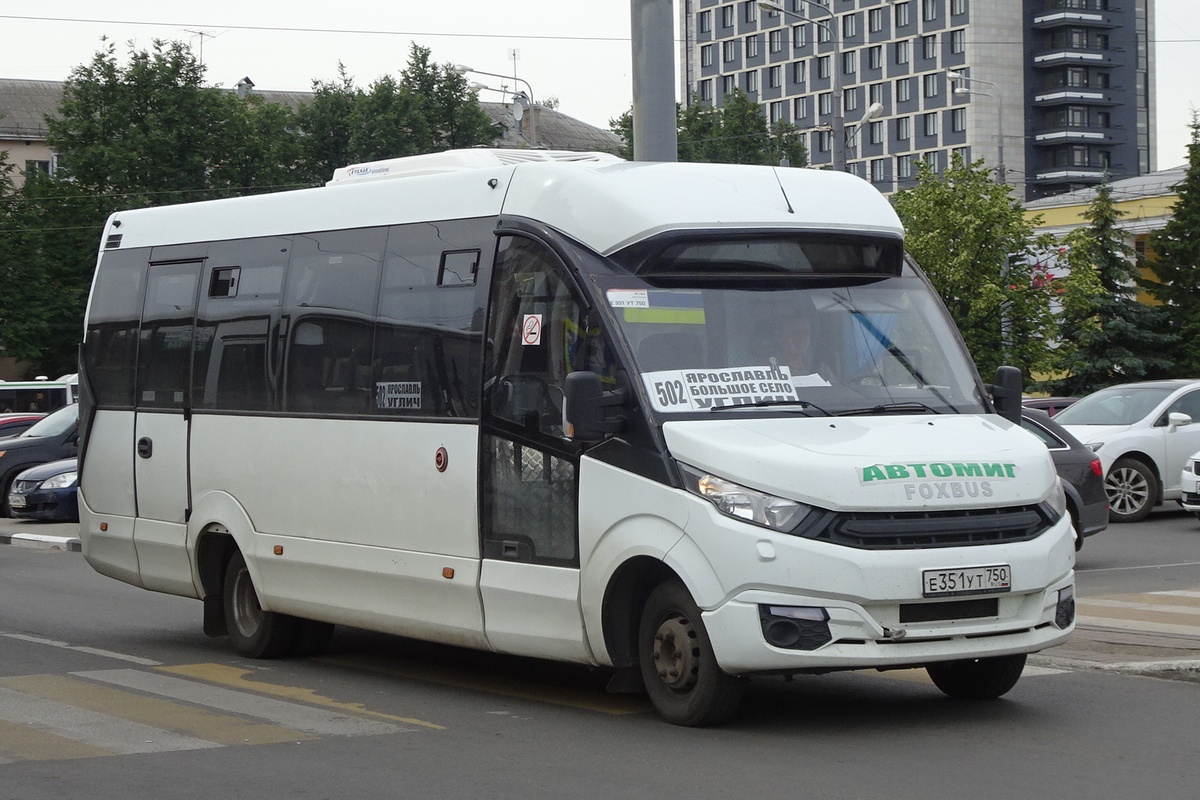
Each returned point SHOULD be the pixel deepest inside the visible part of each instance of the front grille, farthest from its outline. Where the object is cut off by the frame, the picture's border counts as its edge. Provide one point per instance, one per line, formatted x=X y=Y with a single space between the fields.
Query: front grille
x=928 y=529
x=956 y=609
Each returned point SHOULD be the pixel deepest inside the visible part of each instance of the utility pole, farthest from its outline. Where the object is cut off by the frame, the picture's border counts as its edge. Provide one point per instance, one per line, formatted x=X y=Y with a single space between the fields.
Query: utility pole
x=655 y=132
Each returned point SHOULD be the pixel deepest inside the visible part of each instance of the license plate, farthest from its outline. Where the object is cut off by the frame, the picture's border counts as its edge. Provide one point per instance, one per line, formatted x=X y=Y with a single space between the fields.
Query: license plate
x=16 y=501
x=966 y=580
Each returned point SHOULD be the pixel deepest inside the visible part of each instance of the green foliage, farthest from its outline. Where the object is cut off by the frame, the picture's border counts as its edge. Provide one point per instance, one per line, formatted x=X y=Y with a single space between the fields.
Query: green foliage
x=147 y=131
x=1177 y=264
x=428 y=109
x=736 y=133
x=1107 y=335
x=971 y=237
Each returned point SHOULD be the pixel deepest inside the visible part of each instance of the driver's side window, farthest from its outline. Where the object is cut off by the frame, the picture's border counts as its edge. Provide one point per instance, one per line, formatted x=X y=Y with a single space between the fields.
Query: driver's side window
x=1188 y=404
x=539 y=333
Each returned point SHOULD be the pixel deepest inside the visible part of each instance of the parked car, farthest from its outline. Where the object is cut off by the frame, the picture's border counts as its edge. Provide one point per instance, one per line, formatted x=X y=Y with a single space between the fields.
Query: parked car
x=12 y=424
x=1189 y=485
x=1051 y=405
x=53 y=437
x=1080 y=470
x=46 y=492
x=1143 y=433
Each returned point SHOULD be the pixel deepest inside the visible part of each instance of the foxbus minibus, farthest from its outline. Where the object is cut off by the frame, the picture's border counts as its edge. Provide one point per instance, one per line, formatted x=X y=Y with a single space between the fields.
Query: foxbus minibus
x=557 y=405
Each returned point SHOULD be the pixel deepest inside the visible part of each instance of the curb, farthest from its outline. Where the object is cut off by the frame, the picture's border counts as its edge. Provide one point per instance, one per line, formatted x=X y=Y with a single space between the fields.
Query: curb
x=42 y=541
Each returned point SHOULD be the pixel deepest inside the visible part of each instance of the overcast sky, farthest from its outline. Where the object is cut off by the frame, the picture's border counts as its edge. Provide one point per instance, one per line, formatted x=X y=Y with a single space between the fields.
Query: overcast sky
x=577 y=52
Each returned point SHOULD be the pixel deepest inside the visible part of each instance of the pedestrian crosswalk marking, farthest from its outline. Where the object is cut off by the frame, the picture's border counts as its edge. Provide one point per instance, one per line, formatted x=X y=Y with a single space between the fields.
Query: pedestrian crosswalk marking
x=1174 y=613
x=227 y=675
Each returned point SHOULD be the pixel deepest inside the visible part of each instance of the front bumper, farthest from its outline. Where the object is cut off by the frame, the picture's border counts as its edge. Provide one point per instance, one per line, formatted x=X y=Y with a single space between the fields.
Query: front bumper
x=56 y=505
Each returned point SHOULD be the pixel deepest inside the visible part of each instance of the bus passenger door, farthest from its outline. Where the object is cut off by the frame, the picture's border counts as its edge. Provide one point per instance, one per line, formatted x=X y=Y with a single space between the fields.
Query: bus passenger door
x=162 y=422
x=528 y=473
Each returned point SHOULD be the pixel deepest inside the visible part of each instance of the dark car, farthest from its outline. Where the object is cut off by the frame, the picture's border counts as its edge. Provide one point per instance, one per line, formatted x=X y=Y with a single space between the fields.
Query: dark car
x=1051 y=405
x=51 y=438
x=46 y=492
x=1080 y=470
x=12 y=424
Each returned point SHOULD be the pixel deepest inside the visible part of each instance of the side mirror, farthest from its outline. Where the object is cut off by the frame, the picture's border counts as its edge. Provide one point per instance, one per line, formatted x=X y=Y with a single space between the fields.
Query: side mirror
x=584 y=417
x=1178 y=419
x=1006 y=393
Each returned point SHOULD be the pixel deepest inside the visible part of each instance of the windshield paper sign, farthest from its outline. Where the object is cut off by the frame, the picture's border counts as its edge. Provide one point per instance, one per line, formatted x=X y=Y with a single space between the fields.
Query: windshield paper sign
x=702 y=389
x=940 y=480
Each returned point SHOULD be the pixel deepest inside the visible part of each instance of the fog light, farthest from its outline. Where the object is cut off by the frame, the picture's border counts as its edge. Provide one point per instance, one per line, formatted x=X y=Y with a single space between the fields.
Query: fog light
x=1064 y=613
x=795 y=627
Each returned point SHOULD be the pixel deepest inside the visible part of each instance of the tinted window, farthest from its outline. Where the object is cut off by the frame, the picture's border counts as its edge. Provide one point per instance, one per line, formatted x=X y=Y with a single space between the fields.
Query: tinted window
x=236 y=356
x=428 y=340
x=329 y=365
x=336 y=269
x=110 y=347
x=165 y=345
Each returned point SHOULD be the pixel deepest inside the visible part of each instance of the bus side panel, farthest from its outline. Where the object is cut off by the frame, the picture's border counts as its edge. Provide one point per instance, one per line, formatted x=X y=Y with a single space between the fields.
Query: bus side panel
x=533 y=610
x=108 y=472
x=367 y=521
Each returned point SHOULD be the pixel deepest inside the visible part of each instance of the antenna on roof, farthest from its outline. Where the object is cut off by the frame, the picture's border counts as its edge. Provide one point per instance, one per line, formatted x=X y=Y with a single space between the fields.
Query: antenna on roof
x=202 y=35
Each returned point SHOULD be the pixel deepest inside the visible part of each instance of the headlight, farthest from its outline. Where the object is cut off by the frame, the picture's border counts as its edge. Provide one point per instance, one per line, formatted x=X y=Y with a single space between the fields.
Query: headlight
x=1057 y=498
x=1095 y=446
x=750 y=505
x=63 y=481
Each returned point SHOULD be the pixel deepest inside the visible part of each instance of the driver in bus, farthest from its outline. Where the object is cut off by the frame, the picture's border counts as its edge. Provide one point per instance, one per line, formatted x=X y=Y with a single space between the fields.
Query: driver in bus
x=791 y=345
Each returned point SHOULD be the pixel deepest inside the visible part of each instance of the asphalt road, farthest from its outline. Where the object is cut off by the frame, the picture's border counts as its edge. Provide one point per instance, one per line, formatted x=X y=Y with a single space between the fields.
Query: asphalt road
x=108 y=691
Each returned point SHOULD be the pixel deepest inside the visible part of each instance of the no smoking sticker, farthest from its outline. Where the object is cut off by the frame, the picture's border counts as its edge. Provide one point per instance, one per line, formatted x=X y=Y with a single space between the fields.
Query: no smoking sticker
x=531 y=329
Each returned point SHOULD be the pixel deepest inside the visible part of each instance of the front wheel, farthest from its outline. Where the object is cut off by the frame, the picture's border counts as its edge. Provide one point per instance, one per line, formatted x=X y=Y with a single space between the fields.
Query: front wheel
x=1132 y=490
x=977 y=679
x=678 y=666
x=255 y=633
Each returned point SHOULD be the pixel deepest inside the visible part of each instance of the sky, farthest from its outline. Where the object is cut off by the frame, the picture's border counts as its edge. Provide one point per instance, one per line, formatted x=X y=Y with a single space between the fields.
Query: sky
x=577 y=52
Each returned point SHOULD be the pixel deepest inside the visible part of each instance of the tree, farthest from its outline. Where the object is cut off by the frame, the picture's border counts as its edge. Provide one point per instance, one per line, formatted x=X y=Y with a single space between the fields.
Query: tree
x=972 y=239
x=428 y=109
x=736 y=133
x=1176 y=264
x=1110 y=337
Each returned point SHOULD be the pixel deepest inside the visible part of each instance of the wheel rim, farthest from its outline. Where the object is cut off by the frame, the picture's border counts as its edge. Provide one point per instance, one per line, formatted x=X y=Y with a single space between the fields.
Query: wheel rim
x=247 y=613
x=676 y=657
x=1128 y=491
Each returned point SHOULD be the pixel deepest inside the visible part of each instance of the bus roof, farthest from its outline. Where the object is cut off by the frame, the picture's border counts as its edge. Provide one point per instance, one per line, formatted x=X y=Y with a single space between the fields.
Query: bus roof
x=599 y=200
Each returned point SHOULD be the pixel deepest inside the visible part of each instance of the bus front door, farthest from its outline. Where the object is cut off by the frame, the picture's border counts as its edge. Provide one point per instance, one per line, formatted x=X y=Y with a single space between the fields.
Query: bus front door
x=161 y=427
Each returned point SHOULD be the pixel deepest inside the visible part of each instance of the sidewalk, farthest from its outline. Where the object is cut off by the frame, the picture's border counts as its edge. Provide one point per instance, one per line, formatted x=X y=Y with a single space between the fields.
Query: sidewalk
x=44 y=535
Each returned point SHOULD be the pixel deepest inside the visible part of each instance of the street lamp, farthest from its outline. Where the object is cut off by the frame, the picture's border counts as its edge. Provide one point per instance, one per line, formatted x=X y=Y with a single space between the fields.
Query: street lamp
x=1001 y=172
x=839 y=122
x=523 y=100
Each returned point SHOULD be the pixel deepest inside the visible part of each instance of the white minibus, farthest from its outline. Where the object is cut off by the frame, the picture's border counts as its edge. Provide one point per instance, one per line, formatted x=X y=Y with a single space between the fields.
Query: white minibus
x=695 y=423
x=39 y=396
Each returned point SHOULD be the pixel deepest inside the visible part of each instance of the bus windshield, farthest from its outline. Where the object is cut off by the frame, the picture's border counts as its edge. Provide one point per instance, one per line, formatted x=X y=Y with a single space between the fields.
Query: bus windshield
x=882 y=345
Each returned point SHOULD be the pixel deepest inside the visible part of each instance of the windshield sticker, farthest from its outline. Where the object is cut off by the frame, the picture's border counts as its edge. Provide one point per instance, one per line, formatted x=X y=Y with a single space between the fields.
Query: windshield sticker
x=684 y=307
x=395 y=395
x=702 y=389
x=531 y=330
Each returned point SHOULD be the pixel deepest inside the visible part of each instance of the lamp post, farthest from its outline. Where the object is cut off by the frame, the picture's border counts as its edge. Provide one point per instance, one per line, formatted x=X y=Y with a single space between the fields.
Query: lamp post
x=1001 y=172
x=839 y=122
x=524 y=100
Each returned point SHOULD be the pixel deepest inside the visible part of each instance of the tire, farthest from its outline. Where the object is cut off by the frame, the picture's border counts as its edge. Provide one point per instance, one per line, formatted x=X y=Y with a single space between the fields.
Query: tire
x=978 y=679
x=5 y=486
x=1132 y=490
x=677 y=662
x=255 y=633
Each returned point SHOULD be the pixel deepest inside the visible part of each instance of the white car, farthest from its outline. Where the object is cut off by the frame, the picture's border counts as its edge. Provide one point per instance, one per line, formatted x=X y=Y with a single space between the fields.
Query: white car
x=1189 y=485
x=1143 y=433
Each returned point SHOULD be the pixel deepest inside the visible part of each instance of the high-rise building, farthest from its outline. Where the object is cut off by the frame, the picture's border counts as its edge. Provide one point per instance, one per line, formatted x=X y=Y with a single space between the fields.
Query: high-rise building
x=1054 y=94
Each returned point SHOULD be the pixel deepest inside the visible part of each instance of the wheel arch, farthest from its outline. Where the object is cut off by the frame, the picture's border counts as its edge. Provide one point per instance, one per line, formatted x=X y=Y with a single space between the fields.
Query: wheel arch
x=1150 y=464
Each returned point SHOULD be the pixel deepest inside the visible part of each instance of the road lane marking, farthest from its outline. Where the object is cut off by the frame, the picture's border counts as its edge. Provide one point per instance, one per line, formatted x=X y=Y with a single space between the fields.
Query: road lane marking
x=1137 y=625
x=309 y=719
x=1140 y=566
x=222 y=729
x=235 y=676
x=145 y=662
x=20 y=742
x=121 y=736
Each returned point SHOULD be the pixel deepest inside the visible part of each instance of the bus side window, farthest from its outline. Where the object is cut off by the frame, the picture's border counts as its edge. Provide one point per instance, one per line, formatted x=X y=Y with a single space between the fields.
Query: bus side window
x=110 y=349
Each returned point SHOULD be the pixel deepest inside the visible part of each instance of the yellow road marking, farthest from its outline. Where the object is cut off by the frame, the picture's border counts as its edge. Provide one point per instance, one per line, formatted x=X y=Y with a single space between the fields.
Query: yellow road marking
x=224 y=675
x=25 y=743
x=225 y=729
x=441 y=674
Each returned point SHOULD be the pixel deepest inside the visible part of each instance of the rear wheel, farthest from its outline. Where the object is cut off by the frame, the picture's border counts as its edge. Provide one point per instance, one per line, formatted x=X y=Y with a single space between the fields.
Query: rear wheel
x=255 y=633
x=977 y=679
x=1132 y=490
x=678 y=666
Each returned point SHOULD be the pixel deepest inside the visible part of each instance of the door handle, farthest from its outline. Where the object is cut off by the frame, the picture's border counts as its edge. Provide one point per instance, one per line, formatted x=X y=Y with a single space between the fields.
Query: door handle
x=145 y=447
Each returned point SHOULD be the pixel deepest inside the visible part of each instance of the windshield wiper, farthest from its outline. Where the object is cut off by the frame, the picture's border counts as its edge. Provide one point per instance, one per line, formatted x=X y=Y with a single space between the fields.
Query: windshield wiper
x=773 y=404
x=910 y=407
